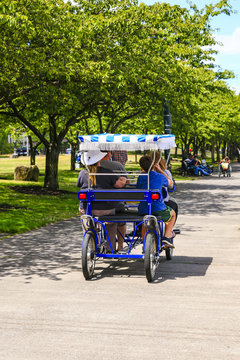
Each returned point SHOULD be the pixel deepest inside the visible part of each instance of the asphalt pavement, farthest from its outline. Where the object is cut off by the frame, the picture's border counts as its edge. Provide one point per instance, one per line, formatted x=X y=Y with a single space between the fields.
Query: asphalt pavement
x=191 y=311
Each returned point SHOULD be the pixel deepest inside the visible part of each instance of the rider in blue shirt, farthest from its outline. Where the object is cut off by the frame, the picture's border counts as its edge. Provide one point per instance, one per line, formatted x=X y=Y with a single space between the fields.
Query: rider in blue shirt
x=156 y=181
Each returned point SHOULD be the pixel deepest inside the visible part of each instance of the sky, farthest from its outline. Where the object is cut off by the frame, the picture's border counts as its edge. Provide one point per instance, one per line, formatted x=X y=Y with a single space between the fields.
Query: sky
x=227 y=32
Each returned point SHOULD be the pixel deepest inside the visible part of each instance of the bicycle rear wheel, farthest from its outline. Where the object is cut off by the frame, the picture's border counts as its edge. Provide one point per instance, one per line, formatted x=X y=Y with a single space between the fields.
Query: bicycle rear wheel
x=88 y=255
x=151 y=256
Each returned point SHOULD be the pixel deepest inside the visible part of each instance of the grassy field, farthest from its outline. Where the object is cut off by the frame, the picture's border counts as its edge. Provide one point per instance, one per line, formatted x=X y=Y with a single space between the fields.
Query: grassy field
x=21 y=212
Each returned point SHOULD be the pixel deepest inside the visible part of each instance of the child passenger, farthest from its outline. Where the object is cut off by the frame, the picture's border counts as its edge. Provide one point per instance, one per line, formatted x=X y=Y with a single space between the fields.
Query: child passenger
x=159 y=160
x=157 y=180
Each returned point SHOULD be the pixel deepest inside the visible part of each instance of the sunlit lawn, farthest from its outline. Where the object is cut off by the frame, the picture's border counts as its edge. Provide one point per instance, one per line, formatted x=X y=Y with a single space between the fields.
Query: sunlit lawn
x=22 y=212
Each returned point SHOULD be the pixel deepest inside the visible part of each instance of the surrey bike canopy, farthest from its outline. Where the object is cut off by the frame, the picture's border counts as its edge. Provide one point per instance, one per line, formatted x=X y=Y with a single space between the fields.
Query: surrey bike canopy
x=128 y=142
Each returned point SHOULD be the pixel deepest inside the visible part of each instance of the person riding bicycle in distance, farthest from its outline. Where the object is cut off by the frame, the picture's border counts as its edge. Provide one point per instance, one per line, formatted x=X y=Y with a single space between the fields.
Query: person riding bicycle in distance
x=157 y=180
x=225 y=163
x=225 y=160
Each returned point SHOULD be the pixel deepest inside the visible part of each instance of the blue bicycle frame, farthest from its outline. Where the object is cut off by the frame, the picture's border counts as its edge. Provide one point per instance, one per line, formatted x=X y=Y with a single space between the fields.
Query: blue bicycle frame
x=97 y=224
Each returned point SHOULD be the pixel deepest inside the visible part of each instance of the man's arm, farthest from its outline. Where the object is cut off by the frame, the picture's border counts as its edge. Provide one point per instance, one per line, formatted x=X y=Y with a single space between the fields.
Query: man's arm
x=121 y=182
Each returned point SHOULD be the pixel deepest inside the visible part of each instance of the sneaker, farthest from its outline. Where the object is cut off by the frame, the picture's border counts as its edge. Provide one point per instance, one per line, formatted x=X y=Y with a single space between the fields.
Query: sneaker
x=167 y=243
x=122 y=252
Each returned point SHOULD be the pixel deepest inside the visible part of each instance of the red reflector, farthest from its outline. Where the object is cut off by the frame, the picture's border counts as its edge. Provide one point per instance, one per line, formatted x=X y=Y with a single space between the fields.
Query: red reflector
x=82 y=196
x=155 y=196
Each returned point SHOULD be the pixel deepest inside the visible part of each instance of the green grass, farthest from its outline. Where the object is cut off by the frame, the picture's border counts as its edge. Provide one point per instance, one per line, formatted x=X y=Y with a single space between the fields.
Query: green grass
x=22 y=212
x=27 y=212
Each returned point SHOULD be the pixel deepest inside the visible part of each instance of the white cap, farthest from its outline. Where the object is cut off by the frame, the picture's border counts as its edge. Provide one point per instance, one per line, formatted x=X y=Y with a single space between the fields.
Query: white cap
x=93 y=156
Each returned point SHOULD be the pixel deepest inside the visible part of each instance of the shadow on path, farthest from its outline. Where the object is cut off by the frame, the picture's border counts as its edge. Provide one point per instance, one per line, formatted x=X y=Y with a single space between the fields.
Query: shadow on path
x=50 y=252
x=209 y=195
x=178 y=267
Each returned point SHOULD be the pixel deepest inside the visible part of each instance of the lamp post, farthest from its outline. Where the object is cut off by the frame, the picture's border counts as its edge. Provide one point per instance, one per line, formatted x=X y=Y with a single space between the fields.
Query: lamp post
x=167 y=128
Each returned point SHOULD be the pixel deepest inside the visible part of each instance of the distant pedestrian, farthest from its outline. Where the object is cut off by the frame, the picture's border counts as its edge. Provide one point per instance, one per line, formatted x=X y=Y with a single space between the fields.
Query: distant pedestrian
x=120 y=156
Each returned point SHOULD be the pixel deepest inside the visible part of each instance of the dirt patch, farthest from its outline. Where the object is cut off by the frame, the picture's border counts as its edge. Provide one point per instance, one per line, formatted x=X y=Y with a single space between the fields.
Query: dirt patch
x=38 y=190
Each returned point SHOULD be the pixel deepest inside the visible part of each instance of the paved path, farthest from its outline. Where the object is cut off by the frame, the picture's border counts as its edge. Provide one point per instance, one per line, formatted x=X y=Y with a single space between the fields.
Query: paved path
x=191 y=311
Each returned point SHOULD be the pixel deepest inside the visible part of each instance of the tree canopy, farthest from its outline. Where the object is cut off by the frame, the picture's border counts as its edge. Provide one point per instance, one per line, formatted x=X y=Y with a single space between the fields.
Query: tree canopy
x=96 y=66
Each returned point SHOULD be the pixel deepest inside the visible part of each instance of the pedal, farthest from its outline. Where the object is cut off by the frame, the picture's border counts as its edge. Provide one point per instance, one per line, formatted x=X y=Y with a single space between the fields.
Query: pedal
x=177 y=231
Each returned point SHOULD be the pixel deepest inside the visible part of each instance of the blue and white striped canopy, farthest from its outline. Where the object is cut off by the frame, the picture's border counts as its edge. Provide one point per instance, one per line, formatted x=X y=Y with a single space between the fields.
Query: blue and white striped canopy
x=126 y=142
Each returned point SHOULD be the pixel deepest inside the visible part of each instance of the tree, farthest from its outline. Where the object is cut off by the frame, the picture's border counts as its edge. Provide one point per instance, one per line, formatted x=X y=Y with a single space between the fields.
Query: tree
x=65 y=64
x=42 y=50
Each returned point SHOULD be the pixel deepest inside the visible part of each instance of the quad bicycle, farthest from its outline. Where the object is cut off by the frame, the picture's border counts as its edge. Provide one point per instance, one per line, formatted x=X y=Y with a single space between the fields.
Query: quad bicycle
x=95 y=236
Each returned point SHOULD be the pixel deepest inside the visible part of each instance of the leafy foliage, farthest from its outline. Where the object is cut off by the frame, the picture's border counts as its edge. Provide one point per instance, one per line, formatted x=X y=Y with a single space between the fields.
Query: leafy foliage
x=106 y=65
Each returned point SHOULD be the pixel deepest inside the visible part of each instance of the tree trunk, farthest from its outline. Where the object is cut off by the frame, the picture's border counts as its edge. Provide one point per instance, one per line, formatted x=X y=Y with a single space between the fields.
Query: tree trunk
x=203 y=149
x=212 y=151
x=32 y=156
x=231 y=152
x=195 y=147
x=218 y=152
x=176 y=150
x=224 y=149
x=32 y=151
x=51 y=167
x=228 y=150
x=183 y=152
x=73 y=158
x=74 y=148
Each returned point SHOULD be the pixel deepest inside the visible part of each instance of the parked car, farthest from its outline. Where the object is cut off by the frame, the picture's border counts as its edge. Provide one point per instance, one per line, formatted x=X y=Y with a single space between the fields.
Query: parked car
x=68 y=151
x=22 y=151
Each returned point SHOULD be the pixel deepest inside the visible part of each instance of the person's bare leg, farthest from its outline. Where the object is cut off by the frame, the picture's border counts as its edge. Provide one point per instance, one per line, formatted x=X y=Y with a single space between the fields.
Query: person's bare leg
x=168 y=229
x=111 y=230
x=143 y=232
x=121 y=232
x=170 y=224
x=168 y=232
